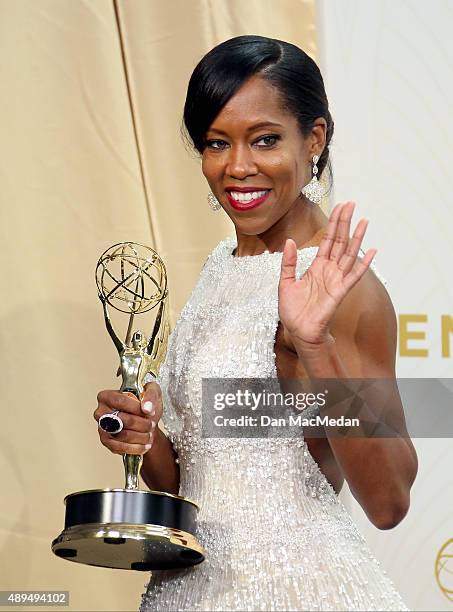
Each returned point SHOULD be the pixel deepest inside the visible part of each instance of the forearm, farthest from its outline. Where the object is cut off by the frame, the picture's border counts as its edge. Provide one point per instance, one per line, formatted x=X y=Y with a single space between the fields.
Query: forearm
x=379 y=470
x=380 y=473
x=159 y=470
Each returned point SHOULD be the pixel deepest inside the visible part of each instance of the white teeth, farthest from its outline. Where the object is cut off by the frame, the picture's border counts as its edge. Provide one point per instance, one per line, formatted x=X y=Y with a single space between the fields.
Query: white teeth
x=247 y=197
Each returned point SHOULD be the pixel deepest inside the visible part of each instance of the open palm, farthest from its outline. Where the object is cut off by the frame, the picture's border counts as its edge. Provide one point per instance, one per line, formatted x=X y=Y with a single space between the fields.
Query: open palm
x=306 y=306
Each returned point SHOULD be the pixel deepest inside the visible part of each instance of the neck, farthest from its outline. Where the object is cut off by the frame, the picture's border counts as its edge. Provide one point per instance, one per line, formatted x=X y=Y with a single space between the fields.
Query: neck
x=304 y=222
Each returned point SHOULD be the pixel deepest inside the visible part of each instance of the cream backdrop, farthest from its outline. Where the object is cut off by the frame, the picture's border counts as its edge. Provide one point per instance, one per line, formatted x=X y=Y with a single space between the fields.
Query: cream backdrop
x=387 y=67
x=91 y=154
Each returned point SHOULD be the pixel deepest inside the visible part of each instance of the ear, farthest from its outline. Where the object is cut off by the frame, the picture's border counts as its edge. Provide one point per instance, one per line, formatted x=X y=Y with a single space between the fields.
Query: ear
x=318 y=136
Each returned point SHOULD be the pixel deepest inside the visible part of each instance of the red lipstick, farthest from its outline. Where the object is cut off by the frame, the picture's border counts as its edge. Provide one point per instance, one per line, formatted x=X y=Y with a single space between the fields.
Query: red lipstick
x=242 y=206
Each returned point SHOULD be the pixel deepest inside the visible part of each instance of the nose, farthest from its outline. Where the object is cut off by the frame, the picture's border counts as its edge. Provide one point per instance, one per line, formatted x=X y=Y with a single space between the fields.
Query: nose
x=240 y=163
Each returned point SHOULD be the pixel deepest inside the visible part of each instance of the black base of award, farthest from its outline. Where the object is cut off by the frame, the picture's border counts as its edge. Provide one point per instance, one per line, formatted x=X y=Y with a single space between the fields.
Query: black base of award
x=129 y=529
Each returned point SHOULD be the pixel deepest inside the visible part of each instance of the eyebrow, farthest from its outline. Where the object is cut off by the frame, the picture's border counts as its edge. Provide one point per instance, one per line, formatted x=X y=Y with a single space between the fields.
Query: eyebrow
x=253 y=127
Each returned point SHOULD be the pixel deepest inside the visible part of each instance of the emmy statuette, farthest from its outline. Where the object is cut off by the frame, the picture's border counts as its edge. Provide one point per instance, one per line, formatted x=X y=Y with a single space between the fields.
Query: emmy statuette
x=129 y=528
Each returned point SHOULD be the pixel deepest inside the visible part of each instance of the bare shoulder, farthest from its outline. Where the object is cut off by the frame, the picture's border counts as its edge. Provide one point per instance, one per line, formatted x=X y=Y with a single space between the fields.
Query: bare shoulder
x=365 y=323
x=368 y=298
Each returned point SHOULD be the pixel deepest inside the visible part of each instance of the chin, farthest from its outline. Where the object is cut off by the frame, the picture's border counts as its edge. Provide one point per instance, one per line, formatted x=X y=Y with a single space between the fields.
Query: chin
x=251 y=228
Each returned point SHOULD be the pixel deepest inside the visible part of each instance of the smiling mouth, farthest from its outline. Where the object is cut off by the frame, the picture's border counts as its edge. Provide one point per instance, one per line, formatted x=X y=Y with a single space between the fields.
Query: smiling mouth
x=241 y=200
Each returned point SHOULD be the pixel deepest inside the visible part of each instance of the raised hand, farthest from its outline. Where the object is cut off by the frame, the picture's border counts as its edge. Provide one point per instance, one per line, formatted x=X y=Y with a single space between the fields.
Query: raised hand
x=306 y=306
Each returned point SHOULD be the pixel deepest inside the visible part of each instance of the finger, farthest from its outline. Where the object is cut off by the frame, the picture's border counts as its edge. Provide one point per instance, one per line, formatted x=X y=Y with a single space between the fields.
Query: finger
x=366 y=260
x=361 y=265
x=348 y=258
x=117 y=447
x=133 y=437
x=115 y=400
x=341 y=239
x=130 y=421
x=128 y=436
x=329 y=235
x=151 y=402
x=289 y=261
x=129 y=394
x=138 y=423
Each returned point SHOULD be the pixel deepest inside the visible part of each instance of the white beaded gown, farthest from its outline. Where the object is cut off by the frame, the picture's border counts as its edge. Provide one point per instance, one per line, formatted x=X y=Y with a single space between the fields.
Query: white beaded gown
x=275 y=533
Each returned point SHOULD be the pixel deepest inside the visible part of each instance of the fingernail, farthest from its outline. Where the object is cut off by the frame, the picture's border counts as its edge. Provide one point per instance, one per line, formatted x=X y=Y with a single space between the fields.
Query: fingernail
x=153 y=424
x=148 y=446
x=148 y=406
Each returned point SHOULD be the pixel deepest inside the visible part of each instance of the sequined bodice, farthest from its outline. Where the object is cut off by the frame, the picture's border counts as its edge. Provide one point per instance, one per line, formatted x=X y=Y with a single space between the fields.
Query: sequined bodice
x=276 y=535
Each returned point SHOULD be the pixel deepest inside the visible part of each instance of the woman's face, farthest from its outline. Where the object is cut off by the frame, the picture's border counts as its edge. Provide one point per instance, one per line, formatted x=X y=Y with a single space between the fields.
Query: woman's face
x=256 y=159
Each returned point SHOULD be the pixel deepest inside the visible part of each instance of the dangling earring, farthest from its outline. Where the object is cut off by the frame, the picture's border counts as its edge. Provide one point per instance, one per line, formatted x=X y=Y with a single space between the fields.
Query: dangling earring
x=313 y=190
x=213 y=202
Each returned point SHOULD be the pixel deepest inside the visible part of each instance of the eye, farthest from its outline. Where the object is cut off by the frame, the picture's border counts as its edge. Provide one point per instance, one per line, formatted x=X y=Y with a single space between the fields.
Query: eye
x=271 y=140
x=215 y=144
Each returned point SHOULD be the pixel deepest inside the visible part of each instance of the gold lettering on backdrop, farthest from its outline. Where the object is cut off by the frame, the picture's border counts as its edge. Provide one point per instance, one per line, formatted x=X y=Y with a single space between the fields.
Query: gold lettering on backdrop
x=406 y=334
x=447 y=329
x=443 y=569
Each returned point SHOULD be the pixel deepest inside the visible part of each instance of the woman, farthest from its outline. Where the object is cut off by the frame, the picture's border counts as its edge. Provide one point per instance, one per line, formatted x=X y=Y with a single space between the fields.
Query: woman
x=276 y=535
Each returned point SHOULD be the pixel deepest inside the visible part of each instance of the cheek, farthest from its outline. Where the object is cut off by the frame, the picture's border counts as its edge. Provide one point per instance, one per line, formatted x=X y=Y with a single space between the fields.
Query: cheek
x=284 y=170
x=204 y=165
x=210 y=167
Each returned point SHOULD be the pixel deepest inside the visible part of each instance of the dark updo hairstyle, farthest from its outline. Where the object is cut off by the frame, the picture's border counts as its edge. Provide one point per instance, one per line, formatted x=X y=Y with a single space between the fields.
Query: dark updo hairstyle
x=222 y=71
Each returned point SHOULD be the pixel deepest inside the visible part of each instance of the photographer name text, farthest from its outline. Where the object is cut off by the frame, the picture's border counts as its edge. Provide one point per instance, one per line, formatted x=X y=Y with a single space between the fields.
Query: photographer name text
x=291 y=421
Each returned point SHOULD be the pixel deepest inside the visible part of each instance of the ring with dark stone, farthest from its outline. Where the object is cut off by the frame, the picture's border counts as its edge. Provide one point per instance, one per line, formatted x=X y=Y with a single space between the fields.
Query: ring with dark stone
x=111 y=423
